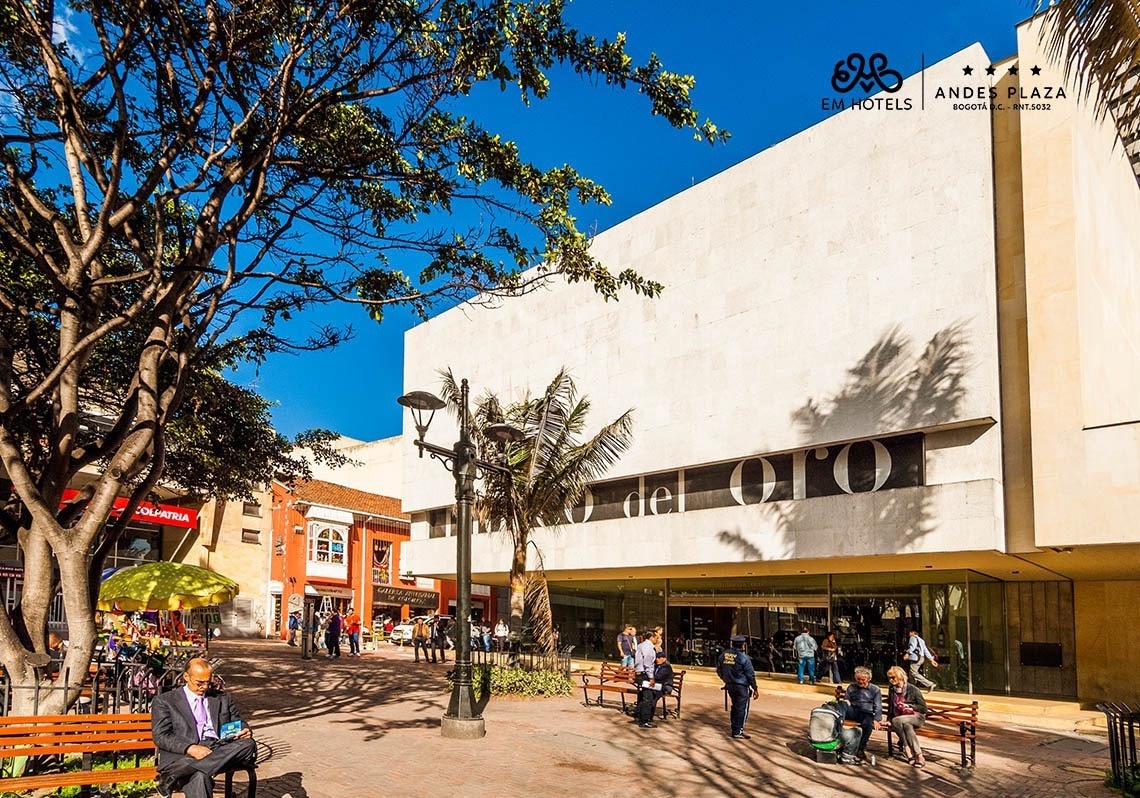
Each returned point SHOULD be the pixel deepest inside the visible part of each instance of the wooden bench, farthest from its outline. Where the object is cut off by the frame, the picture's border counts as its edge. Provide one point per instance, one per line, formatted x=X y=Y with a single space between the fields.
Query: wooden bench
x=611 y=678
x=948 y=720
x=675 y=696
x=620 y=679
x=945 y=720
x=125 y=736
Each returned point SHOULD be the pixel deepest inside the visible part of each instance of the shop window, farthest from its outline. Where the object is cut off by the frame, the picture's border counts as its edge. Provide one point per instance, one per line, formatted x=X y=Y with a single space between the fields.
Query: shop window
x=250 y=536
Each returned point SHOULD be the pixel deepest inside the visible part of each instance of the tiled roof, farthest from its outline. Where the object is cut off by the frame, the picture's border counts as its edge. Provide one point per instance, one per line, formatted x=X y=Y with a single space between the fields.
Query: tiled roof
x=326 y=494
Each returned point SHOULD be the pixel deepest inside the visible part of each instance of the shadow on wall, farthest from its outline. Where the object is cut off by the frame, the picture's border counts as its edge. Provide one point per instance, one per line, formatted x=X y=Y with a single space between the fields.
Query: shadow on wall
x=890 y=388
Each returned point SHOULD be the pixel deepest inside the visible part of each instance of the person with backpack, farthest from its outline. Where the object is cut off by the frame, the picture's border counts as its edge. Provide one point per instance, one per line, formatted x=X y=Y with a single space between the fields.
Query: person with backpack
x=827 y=732
x=735 y=669
x=916 y=655
x=294 y=627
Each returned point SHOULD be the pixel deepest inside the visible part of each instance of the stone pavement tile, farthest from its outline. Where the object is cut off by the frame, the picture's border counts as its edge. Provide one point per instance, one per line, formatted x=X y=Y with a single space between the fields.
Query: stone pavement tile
x=369 y=726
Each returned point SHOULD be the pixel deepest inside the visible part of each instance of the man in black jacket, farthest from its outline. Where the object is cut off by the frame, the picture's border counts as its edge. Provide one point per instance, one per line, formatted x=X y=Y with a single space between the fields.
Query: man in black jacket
x=189 y=726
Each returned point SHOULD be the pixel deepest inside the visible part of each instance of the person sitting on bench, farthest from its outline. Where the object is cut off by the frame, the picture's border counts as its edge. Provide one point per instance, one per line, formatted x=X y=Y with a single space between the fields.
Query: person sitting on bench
x=199 y=734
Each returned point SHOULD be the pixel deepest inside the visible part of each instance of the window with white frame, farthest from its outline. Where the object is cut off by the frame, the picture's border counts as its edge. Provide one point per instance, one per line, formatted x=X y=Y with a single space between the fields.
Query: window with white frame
x=327 y=544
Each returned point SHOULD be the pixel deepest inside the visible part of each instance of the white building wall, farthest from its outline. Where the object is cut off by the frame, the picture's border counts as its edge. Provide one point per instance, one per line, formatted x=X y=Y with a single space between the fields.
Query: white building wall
x=374 y=466
x=812 y=275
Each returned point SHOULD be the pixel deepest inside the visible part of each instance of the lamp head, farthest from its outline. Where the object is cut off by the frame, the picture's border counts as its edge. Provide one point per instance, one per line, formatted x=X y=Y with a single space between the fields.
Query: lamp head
x=420 y=402
x=504 y=433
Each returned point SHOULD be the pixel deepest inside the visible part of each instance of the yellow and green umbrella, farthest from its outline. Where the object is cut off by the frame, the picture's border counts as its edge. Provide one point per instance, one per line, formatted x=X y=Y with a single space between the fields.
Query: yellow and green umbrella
x=165 y=586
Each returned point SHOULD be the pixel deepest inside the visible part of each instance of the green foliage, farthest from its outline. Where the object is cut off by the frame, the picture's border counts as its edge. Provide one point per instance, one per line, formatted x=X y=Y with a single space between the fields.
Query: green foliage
x=131 y=789
x=181 y=181
x=502 y=681
x=549 y=471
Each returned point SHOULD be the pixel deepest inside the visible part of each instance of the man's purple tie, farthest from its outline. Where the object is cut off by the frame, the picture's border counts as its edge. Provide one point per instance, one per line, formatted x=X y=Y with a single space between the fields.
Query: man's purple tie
x=201 y=715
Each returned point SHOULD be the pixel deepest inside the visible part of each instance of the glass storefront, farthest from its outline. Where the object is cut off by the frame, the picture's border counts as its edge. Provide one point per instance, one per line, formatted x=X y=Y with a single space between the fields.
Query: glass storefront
x=960 y=614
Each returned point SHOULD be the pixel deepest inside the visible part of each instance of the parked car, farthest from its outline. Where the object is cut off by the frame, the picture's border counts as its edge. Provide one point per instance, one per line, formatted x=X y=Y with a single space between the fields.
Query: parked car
x=402 y=632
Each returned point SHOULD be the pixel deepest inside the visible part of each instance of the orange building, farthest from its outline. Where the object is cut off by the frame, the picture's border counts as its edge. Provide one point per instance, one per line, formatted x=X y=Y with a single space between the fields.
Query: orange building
x=335 y=546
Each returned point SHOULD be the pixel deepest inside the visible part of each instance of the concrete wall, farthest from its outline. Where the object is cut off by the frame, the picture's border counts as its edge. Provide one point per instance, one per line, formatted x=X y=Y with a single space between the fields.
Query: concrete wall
x=1082 y=258
x=1106 y=621
x=375 y=466
x=806 y=290
x=219 y=547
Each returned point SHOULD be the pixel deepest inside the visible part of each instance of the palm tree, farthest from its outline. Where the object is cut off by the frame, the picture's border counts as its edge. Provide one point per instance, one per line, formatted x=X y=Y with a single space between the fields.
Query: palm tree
x=549 y=471
x=1097 y=42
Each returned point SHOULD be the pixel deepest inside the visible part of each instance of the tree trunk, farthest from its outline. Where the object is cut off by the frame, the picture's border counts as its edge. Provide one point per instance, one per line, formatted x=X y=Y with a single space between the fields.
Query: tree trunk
x=26 y=662
x=518 y=588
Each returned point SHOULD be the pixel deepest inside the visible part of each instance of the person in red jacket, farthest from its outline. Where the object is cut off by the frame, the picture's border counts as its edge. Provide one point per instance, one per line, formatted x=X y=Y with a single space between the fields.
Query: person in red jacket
x=352 y=625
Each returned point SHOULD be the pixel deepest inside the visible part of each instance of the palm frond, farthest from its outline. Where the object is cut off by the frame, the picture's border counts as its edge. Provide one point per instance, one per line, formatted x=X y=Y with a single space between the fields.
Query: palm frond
x=541 y=617
x=1097 y=42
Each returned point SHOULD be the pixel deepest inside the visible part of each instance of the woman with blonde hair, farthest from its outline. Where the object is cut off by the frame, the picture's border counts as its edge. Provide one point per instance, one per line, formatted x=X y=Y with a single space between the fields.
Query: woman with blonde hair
x=906 y=711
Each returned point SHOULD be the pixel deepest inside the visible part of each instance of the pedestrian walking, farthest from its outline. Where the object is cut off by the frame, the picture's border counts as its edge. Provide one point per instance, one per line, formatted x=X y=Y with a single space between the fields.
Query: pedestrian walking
x=439 y=638
x=421 y=634
x=805 y=648
x=916 y=655
x=294 y=627
x=735 y=669
x=352 y=626
x=333 y=627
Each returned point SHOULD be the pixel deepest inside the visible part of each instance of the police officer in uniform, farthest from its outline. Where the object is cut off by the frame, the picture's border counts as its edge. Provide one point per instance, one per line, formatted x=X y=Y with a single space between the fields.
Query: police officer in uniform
x=735 y=669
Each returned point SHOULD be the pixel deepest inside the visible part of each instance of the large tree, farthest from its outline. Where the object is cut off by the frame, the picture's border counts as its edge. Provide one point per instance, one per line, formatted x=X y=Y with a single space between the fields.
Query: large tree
x=178 y=178
x=549 y=471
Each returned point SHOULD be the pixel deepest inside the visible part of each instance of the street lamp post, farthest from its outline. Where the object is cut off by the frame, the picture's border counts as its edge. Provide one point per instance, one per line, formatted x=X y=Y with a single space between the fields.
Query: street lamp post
x=462 y=720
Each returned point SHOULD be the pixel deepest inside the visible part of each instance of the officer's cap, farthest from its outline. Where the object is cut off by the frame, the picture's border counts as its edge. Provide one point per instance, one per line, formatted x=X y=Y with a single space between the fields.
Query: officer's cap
x=739 y=639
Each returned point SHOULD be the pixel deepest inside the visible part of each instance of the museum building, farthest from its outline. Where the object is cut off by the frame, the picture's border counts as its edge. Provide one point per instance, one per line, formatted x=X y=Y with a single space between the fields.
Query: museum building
x=893 y=382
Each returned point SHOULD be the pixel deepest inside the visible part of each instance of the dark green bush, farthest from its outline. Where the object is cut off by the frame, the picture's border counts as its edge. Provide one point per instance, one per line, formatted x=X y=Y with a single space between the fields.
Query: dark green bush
x=517 y=681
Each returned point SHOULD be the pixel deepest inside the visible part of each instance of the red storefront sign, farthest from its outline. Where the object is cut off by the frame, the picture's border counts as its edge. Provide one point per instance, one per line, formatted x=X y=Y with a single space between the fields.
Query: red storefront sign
x=150 y=513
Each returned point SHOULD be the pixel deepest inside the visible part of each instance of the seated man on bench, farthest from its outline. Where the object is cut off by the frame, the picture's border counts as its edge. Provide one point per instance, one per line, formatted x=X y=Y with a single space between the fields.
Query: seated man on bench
x=198 y=734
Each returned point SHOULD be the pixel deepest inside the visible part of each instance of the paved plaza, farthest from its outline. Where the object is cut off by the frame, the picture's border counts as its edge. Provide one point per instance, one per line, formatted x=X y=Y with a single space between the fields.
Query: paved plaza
x=369 y=726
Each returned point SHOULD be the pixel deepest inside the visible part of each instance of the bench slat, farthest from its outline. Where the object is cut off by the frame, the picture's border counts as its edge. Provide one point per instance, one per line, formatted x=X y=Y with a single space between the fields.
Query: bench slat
x=78 y=778
x=57 y=735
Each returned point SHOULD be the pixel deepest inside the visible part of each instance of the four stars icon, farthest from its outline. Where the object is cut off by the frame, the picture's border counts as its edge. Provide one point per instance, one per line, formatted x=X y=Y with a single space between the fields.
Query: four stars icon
x=991 y=69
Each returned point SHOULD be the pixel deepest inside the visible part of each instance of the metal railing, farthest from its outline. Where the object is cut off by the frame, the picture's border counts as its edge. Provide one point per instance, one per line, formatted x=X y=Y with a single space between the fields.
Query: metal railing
x=114 y=687
x=527 y=659
x=1122 y=726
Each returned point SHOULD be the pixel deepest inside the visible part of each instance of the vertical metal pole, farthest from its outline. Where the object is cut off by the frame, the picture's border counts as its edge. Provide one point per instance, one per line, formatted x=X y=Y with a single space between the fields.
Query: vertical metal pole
x=462 y=719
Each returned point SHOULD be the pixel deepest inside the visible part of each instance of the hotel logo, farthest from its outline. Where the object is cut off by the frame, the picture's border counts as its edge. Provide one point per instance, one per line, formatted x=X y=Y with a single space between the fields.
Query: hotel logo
x=857 y=75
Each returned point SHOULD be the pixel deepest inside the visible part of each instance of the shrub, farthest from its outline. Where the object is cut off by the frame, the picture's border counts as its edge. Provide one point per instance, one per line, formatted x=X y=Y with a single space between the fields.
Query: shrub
x=517 y=681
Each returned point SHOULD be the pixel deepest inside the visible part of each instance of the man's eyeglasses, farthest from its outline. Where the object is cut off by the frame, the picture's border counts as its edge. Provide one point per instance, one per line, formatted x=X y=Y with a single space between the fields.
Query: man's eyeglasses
x=200 y=682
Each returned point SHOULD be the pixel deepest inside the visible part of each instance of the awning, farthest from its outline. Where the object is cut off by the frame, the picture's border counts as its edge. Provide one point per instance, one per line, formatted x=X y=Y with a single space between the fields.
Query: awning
x=149 y=512
x=328 y=590
x=315 y=511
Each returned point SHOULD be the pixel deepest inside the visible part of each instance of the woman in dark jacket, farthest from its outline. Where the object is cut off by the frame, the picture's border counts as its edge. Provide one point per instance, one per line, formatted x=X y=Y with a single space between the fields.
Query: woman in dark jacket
x=906 y=711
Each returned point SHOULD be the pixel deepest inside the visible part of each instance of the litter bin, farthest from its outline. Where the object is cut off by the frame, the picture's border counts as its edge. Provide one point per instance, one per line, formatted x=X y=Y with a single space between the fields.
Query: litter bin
x=1123 y=721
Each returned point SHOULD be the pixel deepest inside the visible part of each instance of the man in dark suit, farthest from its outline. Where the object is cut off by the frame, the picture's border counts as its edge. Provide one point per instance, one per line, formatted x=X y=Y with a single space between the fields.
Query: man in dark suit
x=187 y=724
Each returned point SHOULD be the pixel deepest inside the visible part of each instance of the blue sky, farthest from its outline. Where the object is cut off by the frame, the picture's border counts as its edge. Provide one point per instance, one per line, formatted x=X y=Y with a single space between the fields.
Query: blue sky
x=761 y=71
